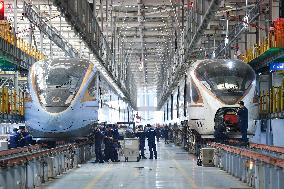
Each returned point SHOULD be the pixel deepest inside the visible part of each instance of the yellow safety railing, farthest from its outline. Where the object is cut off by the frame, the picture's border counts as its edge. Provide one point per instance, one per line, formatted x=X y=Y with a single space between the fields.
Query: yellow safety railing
x=11 y=102
x=257 y=50
x=9 y=37
x=275 y=39
x=272 y=101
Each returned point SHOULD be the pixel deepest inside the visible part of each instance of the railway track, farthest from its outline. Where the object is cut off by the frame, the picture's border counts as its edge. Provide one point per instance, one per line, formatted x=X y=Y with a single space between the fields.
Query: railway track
x=18 y=156
x=272 y=155
x=259 y=165
x=33 y=165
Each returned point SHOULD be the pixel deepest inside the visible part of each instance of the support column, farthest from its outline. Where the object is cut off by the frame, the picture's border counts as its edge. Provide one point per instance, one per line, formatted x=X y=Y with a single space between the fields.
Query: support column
x=269 y=132
x=50 y=42
x=30 y=33
x=256 y=174
x=102 y=15
x=94 y=9
x=227 y=36
x=281 y=9
x=50 y=49
x=273 y=177
x=182 y=16
x=80 y=49
x=107 y=21
x=257 y=37
x=16 y=82
x=280 y=176
x=15 y=17
x=60 y=24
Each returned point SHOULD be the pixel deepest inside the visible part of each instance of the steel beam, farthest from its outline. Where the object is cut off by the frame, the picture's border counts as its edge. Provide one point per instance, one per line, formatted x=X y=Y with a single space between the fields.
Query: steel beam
x=80 y=16
x=52 y=33
x=237 y=30
x=190 y=45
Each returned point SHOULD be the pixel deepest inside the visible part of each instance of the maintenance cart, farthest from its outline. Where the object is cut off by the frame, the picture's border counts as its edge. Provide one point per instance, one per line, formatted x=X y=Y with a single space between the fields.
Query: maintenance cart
x=131 y=149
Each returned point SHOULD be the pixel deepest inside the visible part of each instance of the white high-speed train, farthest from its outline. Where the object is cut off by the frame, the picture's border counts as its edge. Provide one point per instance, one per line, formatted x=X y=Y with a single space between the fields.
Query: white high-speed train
x=65 y=98
x=213 y=90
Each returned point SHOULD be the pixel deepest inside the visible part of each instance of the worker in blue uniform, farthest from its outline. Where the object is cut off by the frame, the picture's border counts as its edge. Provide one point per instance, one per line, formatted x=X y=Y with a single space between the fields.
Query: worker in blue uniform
x=110 y=145
x=108 y=140
x=116 y=144
x=243 y=121
x=151 y=134
x=166 y=134
x=142 y=136
x=14 y=138
x=115 y=132
x=28 y=138
x=158 y=133
x=22 y=135
x=99 y=137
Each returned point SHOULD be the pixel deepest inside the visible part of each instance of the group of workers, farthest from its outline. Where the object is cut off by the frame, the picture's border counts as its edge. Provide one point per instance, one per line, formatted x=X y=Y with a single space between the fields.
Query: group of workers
x=19 y=138
x=150 y=133
x=109 y=136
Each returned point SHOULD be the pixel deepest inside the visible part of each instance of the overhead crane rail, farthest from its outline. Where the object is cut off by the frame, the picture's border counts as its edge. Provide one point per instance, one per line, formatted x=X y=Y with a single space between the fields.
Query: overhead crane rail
x=79 y=14
x=252 y=14
x=52 y=33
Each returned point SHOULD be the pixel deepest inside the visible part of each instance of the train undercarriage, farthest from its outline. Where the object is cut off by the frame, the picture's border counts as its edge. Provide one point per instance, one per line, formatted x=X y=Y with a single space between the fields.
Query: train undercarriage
x=226 y=130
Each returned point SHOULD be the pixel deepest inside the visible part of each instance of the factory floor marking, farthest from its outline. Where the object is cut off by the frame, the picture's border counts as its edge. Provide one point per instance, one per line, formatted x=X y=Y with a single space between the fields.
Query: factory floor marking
x=95 y=179
x=182 y=171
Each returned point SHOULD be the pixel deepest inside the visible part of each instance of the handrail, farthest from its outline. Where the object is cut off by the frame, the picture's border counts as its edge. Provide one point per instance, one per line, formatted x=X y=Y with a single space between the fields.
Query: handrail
x=273 y=40
x=279 y=162
x=38 y=153
x=270 y=148
x=272 y=100
x=27 y=48
x=11 y=102
x=19 y=150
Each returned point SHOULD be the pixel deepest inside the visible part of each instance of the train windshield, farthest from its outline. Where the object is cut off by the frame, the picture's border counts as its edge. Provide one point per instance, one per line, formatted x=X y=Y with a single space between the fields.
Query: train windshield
x=227 y=79
x=57 y=82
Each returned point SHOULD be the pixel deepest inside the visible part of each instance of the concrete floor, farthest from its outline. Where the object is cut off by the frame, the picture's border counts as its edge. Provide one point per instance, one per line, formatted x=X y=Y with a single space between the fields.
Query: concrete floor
x=173 y=169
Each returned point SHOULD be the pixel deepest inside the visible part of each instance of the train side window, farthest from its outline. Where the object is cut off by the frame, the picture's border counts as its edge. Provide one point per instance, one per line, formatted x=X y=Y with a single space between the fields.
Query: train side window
x=195 y=95
x=92 y=88
x=187 y=93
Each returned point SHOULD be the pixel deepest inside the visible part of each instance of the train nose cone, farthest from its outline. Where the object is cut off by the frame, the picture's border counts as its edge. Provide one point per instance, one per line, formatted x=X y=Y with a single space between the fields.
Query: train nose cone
x=56 y=82
x=228 y=80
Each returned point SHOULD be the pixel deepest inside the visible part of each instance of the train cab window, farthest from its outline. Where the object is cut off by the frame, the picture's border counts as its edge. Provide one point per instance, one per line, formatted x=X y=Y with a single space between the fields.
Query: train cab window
x=228 y=80
x=57 y=81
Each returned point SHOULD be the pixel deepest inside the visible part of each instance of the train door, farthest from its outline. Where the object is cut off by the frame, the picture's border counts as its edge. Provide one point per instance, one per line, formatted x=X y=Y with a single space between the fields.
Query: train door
x=196 y=109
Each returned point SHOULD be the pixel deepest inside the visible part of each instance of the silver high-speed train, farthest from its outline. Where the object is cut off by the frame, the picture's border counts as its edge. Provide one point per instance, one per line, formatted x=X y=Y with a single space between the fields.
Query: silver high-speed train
x=65 y=96
x=211 y=91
